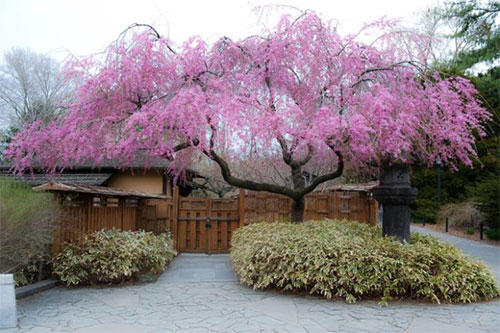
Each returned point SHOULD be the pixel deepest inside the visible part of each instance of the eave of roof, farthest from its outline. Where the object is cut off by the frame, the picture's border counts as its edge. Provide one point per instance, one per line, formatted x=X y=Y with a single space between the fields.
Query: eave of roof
x=353 y=187
x=98 y=190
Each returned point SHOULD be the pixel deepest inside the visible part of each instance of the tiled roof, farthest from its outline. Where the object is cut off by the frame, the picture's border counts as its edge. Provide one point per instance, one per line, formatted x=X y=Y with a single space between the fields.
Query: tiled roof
x=74 y=178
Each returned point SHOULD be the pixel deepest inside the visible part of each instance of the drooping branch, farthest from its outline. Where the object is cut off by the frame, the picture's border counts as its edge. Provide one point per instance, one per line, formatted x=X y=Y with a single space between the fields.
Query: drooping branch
x=154 y=32
x=391 y=67
x=186 y=144
x=181 y=146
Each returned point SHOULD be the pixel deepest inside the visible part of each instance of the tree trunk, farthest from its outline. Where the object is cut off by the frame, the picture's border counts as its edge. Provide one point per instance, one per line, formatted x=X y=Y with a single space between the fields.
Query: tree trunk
x=299 y=187
x=298 y=210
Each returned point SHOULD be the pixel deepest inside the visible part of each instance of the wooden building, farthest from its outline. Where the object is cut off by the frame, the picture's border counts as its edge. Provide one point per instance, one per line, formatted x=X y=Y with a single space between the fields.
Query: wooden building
x=151 y=178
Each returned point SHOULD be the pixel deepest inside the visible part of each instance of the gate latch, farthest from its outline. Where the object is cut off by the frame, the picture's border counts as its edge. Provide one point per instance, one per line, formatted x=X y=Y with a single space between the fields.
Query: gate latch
x=208 y=225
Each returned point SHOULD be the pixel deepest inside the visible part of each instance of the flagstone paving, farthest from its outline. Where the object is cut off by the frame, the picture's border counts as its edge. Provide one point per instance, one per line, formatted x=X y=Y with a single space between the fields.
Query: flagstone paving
x=200 y=293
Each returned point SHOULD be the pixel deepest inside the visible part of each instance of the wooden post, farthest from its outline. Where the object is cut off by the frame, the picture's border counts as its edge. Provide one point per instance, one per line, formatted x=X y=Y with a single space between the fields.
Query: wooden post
x=330 y=204
x=56 y=242
x=370 y=205
x=138 y=214
x=211 y=234
x=241 y=207
x=169 y=187
x=375 y=212
x=90 y=202
x=121 y=205
x=175 y=214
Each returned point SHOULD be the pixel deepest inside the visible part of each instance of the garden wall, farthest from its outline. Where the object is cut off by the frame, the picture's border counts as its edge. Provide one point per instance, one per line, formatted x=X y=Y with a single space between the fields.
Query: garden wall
x=201 y=224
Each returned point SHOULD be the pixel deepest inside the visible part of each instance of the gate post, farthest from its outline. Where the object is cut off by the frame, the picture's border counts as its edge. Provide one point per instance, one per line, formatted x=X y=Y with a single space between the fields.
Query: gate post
x=175 y=214
x=208 y=226
x=241 y=207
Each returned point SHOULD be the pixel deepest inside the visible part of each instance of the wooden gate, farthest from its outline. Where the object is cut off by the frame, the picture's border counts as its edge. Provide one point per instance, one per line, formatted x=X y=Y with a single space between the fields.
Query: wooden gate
x=205 y=225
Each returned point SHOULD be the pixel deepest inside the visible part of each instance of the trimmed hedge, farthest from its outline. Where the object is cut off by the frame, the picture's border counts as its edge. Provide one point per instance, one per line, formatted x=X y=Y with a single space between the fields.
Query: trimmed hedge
x=353 y=261
x=113 y=256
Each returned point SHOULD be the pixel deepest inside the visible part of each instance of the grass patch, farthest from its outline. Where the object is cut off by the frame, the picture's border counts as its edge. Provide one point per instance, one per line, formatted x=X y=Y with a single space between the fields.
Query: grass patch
x=27 y=221
x=353 y=261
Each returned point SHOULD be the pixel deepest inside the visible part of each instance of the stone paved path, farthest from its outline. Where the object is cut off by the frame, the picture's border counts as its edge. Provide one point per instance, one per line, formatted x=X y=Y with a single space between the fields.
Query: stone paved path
x=200 y=293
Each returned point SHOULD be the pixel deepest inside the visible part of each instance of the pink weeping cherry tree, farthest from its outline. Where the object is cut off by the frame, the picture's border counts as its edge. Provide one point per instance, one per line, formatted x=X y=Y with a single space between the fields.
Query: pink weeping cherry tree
x=299 y=95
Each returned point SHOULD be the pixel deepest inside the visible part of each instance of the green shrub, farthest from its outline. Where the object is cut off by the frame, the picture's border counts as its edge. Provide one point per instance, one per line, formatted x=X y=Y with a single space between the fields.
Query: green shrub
x=487 y=196
x=425 y=209
x=469 y=231
x=493 y=234
x=353 y=261
x=27 y=220
x=113 y=256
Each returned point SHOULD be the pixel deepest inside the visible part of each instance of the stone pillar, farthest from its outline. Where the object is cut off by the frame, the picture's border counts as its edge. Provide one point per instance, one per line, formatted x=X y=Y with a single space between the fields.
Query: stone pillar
x=396 y=194
x=8 y=315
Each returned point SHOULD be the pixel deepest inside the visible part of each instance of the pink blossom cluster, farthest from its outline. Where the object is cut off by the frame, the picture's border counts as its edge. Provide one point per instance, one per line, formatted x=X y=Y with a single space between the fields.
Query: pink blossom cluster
x=304 y=83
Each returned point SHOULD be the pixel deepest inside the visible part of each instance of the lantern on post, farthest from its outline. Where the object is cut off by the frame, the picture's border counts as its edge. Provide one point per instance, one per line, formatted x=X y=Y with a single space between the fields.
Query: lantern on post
x=396 y=194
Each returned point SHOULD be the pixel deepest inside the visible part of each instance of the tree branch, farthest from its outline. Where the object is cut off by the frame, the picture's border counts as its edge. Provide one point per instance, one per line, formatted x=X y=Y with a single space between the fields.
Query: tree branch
x=307 y=158
x=329 y=176
x=379 y=69
x=154 y=32
x=288 y=153
x=287 y=156
x=181 y=146
x=249 y=184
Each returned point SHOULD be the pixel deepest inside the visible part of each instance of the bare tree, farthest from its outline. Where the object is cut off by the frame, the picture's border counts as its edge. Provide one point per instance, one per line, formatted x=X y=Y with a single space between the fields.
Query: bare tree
x=32 y=88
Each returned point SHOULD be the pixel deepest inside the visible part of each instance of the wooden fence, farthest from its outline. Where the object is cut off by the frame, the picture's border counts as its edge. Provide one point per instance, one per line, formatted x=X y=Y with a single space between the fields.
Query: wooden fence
x=84 y=214
x=336 y=204
x=155 y=215
x=203 y=224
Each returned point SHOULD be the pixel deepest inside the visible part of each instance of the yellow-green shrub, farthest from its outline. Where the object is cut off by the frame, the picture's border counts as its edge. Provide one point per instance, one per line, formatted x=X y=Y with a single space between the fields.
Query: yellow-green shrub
x=113 y=256
x=353 y=261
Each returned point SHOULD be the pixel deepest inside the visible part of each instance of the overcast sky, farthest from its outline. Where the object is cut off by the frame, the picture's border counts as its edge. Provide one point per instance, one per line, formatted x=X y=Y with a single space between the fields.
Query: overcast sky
x=82 y=27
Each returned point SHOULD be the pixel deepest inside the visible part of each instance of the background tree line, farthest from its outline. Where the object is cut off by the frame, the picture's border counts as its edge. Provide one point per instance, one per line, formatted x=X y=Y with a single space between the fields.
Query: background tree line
x=471 y=40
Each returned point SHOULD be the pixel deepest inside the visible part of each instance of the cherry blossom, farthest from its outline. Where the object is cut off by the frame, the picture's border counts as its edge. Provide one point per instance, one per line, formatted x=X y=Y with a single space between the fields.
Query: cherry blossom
x=300 y=95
